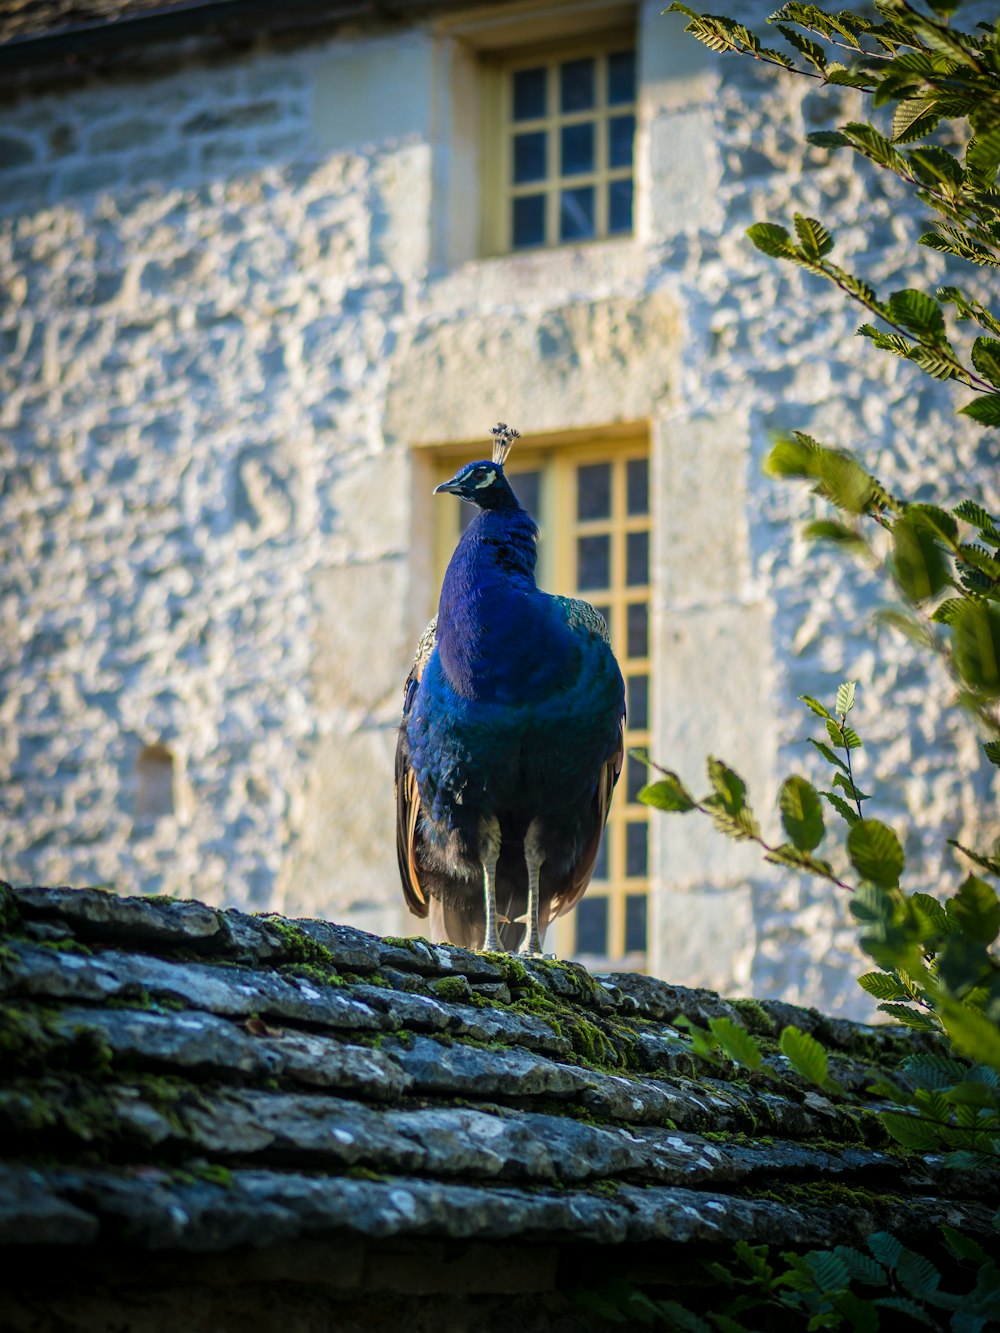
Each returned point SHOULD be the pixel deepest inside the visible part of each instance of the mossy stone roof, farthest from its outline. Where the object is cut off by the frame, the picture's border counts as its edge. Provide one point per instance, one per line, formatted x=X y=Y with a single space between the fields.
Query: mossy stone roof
x=178 y=1078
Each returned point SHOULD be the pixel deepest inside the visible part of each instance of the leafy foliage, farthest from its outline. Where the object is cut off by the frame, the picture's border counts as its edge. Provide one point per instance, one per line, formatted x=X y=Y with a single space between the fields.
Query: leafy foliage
x=936 y=89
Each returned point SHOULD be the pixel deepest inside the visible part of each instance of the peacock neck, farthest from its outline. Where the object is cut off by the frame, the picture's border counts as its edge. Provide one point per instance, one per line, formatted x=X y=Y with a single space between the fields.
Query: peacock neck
x=491 y=614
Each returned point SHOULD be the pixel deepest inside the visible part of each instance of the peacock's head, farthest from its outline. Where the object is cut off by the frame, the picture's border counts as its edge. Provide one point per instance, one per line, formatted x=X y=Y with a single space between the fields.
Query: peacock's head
x=483 y=483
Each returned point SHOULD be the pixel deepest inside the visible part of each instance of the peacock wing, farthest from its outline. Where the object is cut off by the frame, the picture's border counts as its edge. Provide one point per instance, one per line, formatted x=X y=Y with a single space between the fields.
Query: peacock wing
x=574 y=885
x=407 y=794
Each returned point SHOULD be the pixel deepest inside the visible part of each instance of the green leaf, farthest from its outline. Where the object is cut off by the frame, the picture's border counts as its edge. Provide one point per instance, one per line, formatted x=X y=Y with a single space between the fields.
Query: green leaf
x=909 y=626
x=828 y=139
x=920 y=565
x=917 y=1274
x=972 y=1033
x=882 y=985
x=886 y=1248
x=841 y=807
x=910 y=1131
x=728 y=785
x=737 y=1043
x=991 y=749
x=816 y=706
x=947 y=611
x=917 y=312
x=983 y=152
x=814 y=239
x=986 y=358
x=976 y=644
x=840 y=534
x=876 y=853
x=772 y=240
x=806 y=1056
x=910 y=1018
x=936 y=1072
x=845 y=697
x=669 y=793
x=985 y=409
x=801 y=813
x=976 y=909
x=963 y=1246
x=827 y=753
x=934 y=520
x=971 y=512
x=913 y=118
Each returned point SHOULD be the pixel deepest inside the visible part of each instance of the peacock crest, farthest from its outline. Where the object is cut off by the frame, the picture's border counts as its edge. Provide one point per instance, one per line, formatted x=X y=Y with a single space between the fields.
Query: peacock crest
x=503 y=441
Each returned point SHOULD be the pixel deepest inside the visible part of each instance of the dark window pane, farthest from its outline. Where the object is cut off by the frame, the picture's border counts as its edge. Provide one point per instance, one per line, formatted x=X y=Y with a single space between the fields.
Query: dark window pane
x=635 y=923
x=601 y=864
x=529 y=157
x=527 y=486
x=638 y=702
x=637 y=471
x=593 y=562
x=621 y=135
x=637 y=559
x=529 y=94
x=577 y=148
x=619 y=207
x=528 y=220
x=637 y=629
x=592 y=926
x=635 y=777
x=576 y=213
x=593 y=491
x=576 y=84
x=621 y=77
x=637 y=850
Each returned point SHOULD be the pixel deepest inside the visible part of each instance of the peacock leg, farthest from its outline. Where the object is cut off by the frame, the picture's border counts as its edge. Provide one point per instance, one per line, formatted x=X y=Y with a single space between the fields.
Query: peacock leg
x=534 y=855
x=489 y=854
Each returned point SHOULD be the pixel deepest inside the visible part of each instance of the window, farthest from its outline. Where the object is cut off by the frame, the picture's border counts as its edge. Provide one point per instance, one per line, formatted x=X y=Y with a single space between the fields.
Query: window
x=591 y=501
x=567 y=129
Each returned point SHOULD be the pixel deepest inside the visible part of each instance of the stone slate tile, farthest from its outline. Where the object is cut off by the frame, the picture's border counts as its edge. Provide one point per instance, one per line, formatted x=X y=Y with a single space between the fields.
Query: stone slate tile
x=421 y=1013
x=468 y=1071
x=232 y=991
x=664 y=1002
x=33 y=1213
x=206 y=1044
x=95 y=913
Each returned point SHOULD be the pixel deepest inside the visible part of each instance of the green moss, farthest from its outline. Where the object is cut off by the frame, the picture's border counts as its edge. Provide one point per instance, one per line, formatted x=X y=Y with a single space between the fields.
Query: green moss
x=363 y=1173
x=10 y=911
x=299 y=947
x=754 y=1017
x=68 y=945
x=454 y=989
x=214 y=1174
x=410 y=943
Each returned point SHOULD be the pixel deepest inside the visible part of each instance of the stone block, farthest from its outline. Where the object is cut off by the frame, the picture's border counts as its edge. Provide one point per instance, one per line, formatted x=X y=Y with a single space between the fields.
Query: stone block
x=713 y=697
x=702 y=554
x=351 y=109
x=706 y=935
x=684 y=173
x=588 y=363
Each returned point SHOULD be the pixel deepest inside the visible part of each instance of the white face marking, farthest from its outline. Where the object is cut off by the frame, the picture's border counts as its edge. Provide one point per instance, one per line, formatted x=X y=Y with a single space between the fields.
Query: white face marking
x=487 y=480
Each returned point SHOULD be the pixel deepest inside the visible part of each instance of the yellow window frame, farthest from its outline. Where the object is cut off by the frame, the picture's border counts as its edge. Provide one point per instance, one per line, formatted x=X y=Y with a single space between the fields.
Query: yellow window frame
x=499 y=128
x=557 y=460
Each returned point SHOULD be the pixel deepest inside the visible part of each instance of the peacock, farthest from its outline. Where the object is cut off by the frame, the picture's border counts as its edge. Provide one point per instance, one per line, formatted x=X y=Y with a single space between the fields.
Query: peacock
x=512 y=735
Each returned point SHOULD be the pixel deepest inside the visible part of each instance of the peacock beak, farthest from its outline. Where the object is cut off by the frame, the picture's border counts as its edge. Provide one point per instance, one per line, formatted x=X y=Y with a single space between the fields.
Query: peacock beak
x=452 y=487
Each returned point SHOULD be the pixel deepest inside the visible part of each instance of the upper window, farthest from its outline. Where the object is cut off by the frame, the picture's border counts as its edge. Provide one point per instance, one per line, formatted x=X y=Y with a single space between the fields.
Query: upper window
x=567 y=130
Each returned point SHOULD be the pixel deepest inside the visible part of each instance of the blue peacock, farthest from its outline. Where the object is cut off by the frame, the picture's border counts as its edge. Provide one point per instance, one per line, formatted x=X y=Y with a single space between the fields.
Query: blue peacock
x=511 y=739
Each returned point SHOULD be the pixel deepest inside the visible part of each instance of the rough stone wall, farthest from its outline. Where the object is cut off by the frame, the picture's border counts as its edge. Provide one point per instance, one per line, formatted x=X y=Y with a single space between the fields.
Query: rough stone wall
x=237 y=297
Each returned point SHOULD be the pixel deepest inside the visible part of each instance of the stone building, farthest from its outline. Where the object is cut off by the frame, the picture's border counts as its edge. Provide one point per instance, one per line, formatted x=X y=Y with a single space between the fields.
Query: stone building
x=266 y=273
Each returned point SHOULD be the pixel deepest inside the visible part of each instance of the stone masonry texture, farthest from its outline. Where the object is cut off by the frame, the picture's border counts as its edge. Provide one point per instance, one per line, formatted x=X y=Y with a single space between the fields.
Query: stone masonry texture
x=240 y=302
